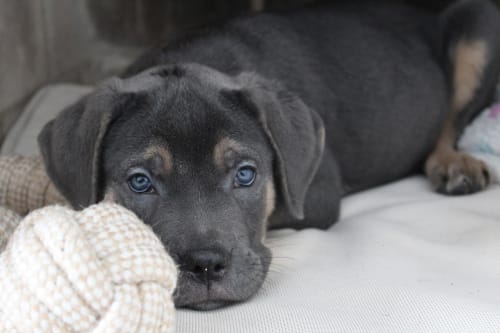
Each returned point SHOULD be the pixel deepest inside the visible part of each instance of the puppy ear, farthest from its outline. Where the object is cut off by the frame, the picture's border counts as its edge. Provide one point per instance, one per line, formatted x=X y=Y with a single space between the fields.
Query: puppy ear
x=71 y=144
x=295 y=131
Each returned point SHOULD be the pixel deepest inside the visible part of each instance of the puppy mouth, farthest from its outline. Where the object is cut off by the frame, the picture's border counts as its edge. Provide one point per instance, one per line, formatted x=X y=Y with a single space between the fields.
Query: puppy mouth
x=208 y=305
x=240 y=284
x=193 y=295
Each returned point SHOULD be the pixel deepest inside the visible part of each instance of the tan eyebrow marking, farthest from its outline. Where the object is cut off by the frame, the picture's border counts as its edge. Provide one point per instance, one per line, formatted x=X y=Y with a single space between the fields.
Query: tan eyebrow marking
x=222 y=147
x=269 y=205
x=163 y=153
x=270 y=199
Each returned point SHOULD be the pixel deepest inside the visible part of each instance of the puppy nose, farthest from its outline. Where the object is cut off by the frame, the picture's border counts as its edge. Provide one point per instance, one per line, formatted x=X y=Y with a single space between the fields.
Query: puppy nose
x=206 y=265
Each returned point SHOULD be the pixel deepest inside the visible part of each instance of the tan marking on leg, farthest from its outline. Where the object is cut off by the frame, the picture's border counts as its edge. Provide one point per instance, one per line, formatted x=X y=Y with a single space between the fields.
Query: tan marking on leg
x=222 y=148
x=469 y=62
x=450 y=171
x=163 y=153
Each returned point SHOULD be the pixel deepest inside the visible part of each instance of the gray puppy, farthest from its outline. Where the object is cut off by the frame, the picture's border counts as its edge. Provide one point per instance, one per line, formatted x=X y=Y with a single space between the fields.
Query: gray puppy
x=267 y=121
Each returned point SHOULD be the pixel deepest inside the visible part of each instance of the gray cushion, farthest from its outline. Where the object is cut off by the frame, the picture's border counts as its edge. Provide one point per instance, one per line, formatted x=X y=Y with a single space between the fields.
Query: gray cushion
x=44 y=105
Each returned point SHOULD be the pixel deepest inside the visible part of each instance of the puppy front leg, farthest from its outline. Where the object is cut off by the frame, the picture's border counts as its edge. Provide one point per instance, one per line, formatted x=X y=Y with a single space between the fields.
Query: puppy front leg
x=471 y=46
x=453 y=172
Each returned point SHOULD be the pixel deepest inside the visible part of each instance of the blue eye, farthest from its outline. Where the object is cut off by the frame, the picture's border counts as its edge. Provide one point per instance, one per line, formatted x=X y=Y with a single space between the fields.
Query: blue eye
x=140 y=183
x=245 y=176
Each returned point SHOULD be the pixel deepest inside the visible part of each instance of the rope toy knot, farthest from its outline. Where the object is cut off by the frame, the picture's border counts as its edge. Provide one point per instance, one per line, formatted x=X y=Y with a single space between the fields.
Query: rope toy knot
x=97 y=270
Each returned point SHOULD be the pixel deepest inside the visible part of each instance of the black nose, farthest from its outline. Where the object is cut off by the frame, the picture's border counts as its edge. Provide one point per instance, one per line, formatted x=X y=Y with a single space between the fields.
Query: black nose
x=206 y=265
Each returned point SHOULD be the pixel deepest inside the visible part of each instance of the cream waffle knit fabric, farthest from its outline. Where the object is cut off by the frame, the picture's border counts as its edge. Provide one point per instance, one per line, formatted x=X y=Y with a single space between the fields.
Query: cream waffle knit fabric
x=25 y=186
x=98 y=270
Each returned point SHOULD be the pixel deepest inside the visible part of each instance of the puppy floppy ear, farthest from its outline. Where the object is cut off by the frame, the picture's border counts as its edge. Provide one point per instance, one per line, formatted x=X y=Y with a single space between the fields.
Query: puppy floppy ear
x=295 y=131
x=71 y=143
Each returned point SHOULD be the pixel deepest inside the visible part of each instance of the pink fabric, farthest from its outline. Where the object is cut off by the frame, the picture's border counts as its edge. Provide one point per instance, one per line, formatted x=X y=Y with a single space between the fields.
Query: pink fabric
x=495 y=111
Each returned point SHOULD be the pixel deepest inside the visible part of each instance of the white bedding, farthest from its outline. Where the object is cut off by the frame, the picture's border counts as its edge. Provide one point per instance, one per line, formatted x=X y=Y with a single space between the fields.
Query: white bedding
x=401 y=259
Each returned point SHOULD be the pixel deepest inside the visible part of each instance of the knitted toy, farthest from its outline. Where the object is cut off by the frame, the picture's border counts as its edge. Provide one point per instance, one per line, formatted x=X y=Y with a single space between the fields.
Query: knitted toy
x=97 y=270
x=482 y=140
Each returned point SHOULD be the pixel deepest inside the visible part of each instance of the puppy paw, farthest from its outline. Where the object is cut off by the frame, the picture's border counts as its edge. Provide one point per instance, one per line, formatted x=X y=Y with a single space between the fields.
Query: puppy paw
x=455 y=173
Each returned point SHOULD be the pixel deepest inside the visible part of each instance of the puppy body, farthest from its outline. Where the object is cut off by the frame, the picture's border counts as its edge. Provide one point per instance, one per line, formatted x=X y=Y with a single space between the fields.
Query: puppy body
x=320 y=103
x=373 y=75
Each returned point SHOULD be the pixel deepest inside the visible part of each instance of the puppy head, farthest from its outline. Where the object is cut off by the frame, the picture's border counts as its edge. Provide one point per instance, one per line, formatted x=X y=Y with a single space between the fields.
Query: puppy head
x=202 y=157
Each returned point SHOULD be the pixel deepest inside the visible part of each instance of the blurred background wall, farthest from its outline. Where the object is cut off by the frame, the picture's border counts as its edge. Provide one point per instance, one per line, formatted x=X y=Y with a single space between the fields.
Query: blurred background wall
x=46 y=41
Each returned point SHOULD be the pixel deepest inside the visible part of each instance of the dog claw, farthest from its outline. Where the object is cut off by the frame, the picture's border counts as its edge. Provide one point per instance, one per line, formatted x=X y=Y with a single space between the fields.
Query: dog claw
x=456 y=173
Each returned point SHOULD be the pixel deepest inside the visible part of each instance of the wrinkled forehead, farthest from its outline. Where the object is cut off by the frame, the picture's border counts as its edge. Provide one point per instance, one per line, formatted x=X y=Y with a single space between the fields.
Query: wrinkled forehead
x=153 y=78
x=188 y=116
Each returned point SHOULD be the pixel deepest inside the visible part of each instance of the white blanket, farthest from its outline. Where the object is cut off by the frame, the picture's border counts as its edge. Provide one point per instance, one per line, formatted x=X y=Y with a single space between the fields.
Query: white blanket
x=401 y=259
